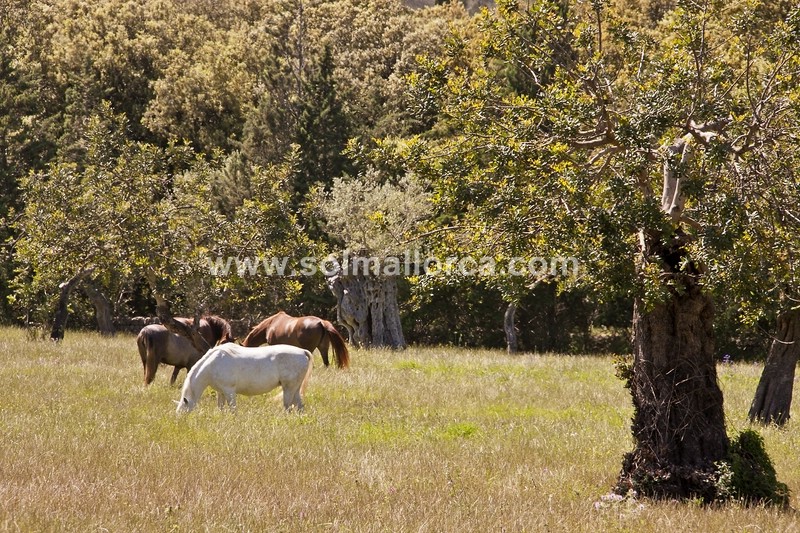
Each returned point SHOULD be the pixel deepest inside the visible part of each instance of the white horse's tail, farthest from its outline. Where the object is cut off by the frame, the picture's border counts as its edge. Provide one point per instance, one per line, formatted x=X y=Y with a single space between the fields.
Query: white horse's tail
x=279 y=395
x=308 y=373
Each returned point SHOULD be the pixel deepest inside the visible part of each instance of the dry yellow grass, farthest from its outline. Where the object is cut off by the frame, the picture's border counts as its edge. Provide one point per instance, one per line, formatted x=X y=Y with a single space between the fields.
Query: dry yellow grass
x=426 y=439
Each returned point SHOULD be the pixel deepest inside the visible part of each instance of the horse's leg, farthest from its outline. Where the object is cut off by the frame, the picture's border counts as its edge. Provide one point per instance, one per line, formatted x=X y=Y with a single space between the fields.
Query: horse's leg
x=288 y=397
x=220 y=399
x=323 y=348
x=291 y=397
x=298 y=401
x=231 y=397
x=174 y=375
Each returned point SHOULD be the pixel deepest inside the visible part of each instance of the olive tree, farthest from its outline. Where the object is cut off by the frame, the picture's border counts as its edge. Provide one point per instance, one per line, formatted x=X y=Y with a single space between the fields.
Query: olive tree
x=375 y=219
x=618 y=149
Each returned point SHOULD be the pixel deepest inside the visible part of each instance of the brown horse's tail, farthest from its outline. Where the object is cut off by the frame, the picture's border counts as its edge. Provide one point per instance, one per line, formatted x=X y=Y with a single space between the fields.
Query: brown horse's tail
x=149 y=358
x=339 y=347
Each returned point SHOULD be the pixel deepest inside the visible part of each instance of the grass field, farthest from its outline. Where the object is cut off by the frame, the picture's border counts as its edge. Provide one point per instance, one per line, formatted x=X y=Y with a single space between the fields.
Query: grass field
x=426 y=439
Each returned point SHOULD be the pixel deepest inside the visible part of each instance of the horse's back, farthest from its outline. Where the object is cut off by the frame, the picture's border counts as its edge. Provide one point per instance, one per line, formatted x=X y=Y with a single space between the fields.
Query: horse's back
x=172 y=348
x=305 y=331
x=273 y=354
x=256 y=370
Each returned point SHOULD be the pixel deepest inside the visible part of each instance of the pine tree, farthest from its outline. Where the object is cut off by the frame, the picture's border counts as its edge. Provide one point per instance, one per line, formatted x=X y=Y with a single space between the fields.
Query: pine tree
x=323 y=130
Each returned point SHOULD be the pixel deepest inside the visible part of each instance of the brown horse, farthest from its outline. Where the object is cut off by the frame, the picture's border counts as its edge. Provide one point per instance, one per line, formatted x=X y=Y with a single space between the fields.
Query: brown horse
x=307 y=332
x=158 y=345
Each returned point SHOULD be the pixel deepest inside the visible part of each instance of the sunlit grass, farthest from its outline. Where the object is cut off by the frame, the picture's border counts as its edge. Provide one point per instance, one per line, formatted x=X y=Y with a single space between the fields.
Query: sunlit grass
x=425 y=439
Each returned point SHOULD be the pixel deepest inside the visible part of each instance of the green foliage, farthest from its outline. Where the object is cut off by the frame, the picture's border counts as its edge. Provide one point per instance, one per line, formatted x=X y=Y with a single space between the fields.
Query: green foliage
x=541 y=128
x=555 y=143
x=468 y=311
x=133 y=211
x=748 y=474
x=322 y=130
x=372 y=215
x=623 y=369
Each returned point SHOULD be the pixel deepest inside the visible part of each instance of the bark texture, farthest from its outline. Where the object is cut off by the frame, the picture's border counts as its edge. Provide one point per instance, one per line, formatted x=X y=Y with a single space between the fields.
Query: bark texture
x=510 y=329
x=102 y=308
x=62 y=307
x=678 y=423
x=773 y=398
x=367 y=307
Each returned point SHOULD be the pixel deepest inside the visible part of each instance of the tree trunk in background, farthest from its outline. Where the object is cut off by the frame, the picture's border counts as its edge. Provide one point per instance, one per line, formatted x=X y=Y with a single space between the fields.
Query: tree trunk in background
x=510 y=328
x=773 y=398
x=102 y=308
x=164 y=314
x=678 y=422
x=62 y=307
x=368 y=308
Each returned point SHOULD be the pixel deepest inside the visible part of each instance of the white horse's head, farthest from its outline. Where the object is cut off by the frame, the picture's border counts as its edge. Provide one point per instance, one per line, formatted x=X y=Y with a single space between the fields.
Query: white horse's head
x=185 y=405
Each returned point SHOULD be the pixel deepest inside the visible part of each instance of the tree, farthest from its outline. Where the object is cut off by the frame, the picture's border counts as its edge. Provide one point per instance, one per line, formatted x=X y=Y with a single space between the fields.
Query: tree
x=757 y=271
x=618 y=154
x=375 y=218
x=202 y=94
x=323 y=130
x=93 y=220
x=132 y=211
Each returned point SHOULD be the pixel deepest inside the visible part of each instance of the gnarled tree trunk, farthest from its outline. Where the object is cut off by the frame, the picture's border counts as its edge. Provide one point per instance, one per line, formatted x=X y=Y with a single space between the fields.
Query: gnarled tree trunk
x=62 y=307
x=102 y=309
x=773 y=397
x=367 y=306
x=678 y=423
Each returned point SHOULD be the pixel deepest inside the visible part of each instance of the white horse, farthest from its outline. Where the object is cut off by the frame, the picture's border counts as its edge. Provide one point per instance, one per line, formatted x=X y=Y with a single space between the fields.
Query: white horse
x=230 y=369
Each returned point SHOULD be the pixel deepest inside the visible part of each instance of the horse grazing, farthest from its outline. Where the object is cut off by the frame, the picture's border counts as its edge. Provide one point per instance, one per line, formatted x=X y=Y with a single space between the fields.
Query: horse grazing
x=307 y=332
x=158 y=345
x=230 y=369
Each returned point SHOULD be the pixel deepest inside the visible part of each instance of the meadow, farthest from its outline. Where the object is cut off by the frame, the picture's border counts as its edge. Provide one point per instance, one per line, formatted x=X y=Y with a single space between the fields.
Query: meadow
x=425 y=439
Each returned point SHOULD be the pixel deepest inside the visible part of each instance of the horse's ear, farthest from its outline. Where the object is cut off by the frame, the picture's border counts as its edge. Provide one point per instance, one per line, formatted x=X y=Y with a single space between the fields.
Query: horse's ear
x=176 y=402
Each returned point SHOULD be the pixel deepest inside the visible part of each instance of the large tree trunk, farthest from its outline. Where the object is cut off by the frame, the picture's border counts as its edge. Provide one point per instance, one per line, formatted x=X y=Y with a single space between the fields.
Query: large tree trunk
x=678 y=423
x=62 y=307
x=773 y=397
x=510 y=329
x=368 y=308
x=102 y=309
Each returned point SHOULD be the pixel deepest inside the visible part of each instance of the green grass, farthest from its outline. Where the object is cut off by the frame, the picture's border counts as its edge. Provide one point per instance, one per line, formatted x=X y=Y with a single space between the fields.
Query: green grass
x=425 y=439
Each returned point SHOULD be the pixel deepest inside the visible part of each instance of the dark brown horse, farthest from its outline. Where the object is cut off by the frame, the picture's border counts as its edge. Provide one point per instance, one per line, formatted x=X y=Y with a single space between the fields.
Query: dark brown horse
x=158 y=345
x=307 y=332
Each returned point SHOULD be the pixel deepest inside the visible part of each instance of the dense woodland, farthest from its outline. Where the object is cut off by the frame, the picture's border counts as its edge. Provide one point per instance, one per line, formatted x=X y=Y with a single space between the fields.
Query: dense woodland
x=259 y=107
x=145 y=136
x=656 y=141
x=142 y=135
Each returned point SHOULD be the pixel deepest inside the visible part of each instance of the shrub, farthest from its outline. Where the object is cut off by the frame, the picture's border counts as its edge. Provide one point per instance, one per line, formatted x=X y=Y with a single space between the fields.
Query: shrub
x=748 y=474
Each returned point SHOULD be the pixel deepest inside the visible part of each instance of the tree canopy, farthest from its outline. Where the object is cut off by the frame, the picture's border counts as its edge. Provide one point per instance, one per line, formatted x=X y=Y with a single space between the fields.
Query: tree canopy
x=535 y=131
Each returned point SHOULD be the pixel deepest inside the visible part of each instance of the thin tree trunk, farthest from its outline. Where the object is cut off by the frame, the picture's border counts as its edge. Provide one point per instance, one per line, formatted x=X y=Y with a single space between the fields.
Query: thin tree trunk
x=509 y=327
x=62 y=307
x=102 y=309
x=773 y=398
x=164 y=314
x=678 y=423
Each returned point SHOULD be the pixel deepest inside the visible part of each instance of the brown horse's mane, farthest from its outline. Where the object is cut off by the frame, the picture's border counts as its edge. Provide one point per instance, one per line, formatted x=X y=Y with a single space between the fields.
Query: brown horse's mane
x=220 y=328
